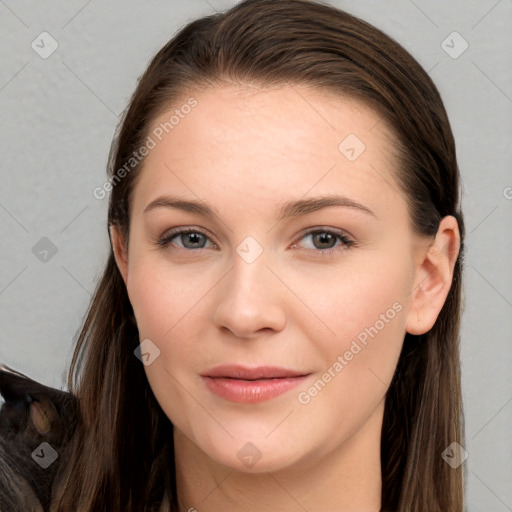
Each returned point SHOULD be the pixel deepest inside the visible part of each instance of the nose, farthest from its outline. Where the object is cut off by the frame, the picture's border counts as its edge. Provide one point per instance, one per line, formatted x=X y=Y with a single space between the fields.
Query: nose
x=250 y=300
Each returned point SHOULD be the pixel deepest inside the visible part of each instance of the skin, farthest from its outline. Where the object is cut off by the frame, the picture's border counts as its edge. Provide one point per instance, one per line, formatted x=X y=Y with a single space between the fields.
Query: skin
x=244 y=152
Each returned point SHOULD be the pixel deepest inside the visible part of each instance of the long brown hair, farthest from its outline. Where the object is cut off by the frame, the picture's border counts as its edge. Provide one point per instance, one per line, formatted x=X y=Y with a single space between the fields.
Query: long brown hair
x=121 y=457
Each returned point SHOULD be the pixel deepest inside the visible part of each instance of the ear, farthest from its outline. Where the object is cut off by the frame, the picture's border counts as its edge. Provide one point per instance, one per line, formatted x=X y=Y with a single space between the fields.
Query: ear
x=41 y=415
x=28 y=402
x=120 y=249
x=433 y=278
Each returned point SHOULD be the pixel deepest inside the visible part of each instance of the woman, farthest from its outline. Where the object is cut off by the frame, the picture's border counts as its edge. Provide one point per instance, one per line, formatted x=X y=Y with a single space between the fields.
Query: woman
x=277 y=324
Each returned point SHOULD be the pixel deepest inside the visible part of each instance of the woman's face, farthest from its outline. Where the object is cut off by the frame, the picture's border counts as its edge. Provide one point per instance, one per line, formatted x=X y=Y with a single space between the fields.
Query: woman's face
x=276 y=322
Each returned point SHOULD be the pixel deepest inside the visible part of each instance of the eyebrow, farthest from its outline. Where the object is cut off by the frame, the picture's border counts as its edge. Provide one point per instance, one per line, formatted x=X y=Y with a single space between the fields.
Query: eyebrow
x=287 y=210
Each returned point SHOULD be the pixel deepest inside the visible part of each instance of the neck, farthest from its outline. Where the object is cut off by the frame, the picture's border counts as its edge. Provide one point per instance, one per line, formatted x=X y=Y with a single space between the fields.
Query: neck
x=346 y=479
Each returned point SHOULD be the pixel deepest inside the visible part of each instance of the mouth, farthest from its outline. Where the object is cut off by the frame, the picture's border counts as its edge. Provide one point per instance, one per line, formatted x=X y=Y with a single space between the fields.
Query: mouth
x=251 y=385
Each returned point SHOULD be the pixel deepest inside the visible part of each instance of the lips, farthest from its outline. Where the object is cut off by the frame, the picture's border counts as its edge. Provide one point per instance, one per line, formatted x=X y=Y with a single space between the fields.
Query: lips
x=240 y=384
x=259 y=372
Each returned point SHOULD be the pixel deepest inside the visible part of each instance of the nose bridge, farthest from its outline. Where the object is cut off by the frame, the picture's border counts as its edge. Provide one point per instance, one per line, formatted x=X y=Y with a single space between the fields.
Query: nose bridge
x=250 y=275
x=251 y=280
x=250 y=299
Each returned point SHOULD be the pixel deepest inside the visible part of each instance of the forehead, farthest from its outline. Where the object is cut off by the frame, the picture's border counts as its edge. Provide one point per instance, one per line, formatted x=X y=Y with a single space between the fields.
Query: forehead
x=268 y=144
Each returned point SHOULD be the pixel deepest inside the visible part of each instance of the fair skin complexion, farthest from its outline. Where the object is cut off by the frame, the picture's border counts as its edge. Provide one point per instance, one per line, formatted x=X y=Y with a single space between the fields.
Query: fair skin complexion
x=299 y=305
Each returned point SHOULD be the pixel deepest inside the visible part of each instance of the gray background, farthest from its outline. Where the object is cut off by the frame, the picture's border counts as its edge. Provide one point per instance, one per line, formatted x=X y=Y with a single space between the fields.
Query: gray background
x=58 y=119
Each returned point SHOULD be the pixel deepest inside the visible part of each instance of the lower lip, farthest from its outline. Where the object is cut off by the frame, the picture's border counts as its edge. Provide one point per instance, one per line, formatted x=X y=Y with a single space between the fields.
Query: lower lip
x=251 y=391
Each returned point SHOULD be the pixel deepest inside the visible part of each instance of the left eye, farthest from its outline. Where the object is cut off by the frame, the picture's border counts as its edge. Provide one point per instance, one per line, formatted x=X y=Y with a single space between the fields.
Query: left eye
x=324 y=240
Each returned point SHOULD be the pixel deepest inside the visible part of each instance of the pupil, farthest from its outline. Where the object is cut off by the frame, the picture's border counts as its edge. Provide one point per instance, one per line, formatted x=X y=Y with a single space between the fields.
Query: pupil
x=325 y=238
x=193 y=238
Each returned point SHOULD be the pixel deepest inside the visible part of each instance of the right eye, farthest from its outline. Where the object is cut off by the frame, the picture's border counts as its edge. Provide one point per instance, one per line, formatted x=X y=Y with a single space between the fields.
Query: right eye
x=186 y=239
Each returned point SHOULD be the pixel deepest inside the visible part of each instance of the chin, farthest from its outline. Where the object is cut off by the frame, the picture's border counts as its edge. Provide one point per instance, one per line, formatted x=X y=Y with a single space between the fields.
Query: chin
x=251 y=454
x=252 y=458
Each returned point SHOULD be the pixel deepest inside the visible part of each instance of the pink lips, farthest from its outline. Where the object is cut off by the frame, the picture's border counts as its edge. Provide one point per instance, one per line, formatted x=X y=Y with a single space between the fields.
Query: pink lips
x=251 y=385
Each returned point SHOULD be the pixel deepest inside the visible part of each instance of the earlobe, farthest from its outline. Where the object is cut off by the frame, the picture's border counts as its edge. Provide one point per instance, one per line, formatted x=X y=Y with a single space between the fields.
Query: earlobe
x=120 y=250
x=433 y=277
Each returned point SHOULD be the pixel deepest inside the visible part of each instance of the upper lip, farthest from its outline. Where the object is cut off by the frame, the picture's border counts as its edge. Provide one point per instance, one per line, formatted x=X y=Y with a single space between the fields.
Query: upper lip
x=254 y=373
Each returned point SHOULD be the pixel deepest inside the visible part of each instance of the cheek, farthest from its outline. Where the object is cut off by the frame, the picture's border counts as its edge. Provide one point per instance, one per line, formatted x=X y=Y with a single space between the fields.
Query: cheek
x=158 y=292
x=363 y=312
x=371 y=298
x=367 y=290
x=366 y=314
x=168 y=304
x=169 y=311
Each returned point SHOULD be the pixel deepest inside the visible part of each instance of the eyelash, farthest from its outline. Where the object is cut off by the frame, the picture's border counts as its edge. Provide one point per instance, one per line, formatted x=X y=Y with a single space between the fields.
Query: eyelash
x=165 y=240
